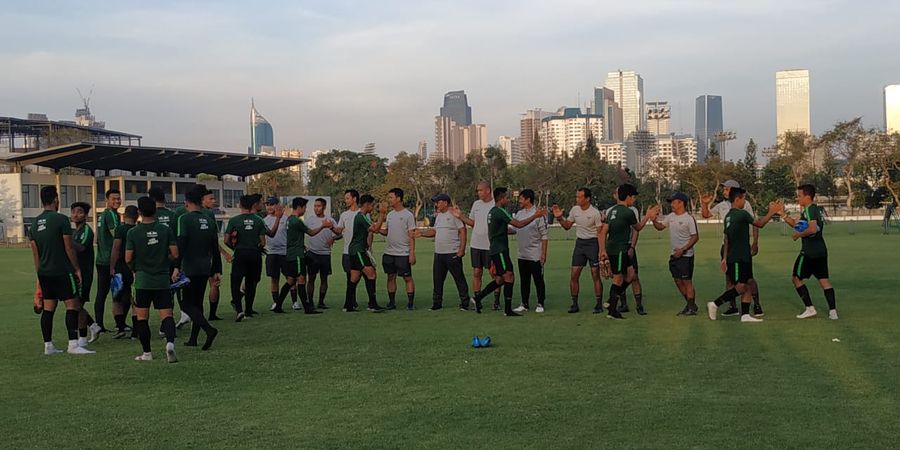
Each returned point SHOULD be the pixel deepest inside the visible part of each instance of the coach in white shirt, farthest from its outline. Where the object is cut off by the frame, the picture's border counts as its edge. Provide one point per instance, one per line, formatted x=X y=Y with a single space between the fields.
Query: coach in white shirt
x=481 y=245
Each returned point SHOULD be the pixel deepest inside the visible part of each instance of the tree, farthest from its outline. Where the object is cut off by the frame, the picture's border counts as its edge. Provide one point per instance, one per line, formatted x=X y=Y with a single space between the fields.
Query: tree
x=276 y=182
x=746 y=170
x=339 y=170
x=713 y=151
x=796 y=151
x=846 y=142
x=884 y=159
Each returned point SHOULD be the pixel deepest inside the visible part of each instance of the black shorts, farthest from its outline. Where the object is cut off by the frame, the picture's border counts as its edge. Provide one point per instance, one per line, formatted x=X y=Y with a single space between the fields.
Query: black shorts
x=634 y=262
x=293 y=267
x=481 y=259
x=360 y=260
x=158 y=298
x=586 y=252
x=84 y=289
x=501 y=263
x=739 y=272
x=682 y=268
x=316 y=263
x=805 y=267
x=396 y=265
x=274 y=264
x=58 y=287
x=619 y=263
x=345 y=263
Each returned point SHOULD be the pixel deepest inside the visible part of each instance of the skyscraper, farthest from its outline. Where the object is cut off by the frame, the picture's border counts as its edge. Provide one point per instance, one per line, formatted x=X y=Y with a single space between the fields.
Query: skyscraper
x=604 y=103
x=529 y=130
x=658 y=115
x=569 y=129
x=510 y=147
x=628 y=89
x=453 y=142
x=261 y=133
x=892 y=108
x=423 y=150
x=708 y=122
x=792 y=101
x=456 y=107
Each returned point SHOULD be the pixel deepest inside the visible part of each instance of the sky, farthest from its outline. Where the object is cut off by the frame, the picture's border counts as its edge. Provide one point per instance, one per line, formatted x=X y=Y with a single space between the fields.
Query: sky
x=339 y=74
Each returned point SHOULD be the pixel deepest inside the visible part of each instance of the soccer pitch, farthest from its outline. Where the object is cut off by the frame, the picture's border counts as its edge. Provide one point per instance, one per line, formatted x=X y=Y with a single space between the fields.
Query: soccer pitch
x=555 y=380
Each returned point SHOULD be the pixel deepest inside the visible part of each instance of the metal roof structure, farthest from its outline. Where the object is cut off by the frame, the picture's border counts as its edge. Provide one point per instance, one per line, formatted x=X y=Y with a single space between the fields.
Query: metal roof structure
x=29 y=133
x=93 y=156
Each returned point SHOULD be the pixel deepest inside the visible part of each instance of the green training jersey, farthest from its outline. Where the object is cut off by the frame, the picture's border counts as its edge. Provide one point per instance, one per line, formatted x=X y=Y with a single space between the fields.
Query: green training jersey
x=121 y=234
x=84 y=236
x=249 y=228
x=296 y=235
x=498 y=225
x=47 y=233
x=737 y=232
x=813 y=245
x=150 y=243
x=360 y=241
x=106 y=232
x=181 y=210
x=198 y=245
x=620 y=220
x=166 y=216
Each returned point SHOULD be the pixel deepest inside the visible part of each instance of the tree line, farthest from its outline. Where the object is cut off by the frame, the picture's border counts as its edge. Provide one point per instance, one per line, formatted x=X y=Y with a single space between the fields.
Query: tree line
x=852 y=167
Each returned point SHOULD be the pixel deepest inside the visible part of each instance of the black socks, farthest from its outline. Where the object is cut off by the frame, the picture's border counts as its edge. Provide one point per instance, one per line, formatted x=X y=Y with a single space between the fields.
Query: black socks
x=829 y=297
x=803 y=292
x=47 y=325
x=143 y=331
x=745 y=308
x=491 y=287
x=639 y=300
x=168 y=327
x=370 y=289
x=120 y=322
x=72 y=324
x=727 y=296
x=213 y=307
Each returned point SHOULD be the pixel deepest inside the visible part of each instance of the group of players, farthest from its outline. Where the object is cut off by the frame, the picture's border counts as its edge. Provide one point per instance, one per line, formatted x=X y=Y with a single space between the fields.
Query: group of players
x=152 y=255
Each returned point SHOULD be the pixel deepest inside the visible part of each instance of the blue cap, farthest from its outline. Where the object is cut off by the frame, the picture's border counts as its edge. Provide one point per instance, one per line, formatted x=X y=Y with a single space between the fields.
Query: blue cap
x=679 y=196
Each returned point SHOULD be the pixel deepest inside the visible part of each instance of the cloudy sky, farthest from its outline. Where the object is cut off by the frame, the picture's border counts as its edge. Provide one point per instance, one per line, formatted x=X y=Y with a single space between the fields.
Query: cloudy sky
x=339 y=74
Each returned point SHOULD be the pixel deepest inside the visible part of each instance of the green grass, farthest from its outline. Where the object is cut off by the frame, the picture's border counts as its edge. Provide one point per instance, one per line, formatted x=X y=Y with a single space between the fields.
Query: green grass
x=410 y=379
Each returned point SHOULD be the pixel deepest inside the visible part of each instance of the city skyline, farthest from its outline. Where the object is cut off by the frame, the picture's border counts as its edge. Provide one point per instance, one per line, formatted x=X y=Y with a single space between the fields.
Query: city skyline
x=181 y=74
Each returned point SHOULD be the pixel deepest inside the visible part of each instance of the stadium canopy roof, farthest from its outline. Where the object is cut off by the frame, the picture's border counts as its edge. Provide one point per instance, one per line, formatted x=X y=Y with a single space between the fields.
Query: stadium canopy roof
x=93 y=157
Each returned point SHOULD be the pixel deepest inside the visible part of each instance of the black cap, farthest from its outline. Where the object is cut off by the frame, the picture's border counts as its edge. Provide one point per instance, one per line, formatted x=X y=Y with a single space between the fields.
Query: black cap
x=679 y=196
x=440 y=197
x=272 y=200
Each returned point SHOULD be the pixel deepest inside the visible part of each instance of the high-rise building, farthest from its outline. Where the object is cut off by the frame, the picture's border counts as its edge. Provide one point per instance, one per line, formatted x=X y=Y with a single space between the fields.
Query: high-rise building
x=892 y=108
x=658 y=115
x=369 y=148
x=604 y=103
x=792 y=101
x=612 y=152
x=453 y=142
x=564 y=132
x=510 y=147
x=628 y=90
x=423 y=150
x=301 y=171
x=456 y=107
x=708 y=121
x=261 y=133
x=530 y=129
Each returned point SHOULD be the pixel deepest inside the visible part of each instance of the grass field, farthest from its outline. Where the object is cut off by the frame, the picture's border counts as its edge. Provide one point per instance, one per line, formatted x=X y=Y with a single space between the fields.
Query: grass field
x=410 y=379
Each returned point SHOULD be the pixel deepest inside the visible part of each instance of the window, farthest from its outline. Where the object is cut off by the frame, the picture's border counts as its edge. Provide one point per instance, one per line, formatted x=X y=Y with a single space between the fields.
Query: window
x=66 y=196
x=232 y=198
x=83 y=194
x=101 y=191
x=31 y=197
x=181 y=189
x=135 y=189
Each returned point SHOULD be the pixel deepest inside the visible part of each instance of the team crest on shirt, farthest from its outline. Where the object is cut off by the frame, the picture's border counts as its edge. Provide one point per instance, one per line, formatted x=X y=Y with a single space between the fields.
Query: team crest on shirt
x=42 y=224
x=612 y=214
x=204 y=224
x=152 y=238
x=248 y=224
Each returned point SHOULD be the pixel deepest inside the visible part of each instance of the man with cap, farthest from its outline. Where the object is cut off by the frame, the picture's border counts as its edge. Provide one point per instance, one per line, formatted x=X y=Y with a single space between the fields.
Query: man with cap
x=615 y=240
x=683 y=236
x=276 y=249
x=449 y=235
x=720 y=211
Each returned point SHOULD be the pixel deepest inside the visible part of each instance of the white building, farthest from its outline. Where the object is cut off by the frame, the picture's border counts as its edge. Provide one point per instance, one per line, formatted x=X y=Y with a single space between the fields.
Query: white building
x=892 y=108
x=453 y=142
x=658 y=115
x=612 y=152
x=563 y=133
x=628 y=90
x=792 y=101
x=510 y=147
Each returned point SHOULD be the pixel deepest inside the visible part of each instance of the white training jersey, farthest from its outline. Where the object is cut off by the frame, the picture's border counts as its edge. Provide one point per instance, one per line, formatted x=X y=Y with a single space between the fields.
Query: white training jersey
x=479 y=214
x=346 y=223
x=586 y=221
